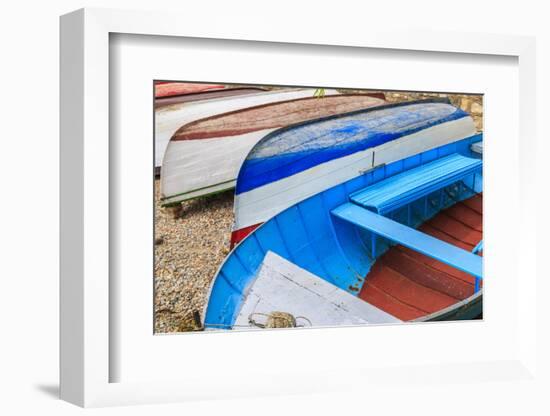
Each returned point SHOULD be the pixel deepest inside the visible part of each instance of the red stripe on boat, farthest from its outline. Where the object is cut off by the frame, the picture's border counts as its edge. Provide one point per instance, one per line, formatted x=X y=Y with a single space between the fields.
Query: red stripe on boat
x=238 y=235
x=171 y=89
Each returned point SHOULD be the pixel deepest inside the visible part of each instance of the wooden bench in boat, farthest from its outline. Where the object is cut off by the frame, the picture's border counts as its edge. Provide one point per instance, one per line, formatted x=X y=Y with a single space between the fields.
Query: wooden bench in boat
x=367 y=206
x=411 y=238
x=411 y=185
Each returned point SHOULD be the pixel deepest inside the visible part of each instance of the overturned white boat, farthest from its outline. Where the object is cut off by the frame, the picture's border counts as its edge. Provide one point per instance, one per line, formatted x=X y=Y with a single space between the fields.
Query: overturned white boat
x=168 y=119
x=204 y=156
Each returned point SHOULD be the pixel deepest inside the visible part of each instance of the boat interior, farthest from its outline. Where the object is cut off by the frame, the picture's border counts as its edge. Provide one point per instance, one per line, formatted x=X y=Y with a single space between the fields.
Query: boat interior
x=406 y=238
x=409 y=285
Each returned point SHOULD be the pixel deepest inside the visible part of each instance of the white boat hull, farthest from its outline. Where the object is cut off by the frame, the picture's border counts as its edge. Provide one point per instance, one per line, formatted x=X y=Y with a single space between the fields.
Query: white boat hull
x=205 y=166
x=170 y=118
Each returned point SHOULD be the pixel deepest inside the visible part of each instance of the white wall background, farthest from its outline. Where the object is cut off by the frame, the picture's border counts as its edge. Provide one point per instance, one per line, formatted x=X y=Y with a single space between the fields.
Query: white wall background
x=29 y=171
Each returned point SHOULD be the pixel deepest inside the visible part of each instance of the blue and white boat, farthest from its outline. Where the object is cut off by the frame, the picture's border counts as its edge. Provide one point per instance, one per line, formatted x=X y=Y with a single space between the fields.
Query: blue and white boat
x=386 y=226
x=301 y=160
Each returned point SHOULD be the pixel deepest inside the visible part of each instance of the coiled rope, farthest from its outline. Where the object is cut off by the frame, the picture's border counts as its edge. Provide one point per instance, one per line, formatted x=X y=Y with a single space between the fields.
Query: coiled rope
x=277 y=319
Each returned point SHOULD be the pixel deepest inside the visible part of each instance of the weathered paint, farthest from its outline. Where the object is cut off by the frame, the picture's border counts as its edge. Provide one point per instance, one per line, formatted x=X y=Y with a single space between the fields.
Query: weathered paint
x=272 y=116
x=298 y=148
x=297 y=162
x=169 y=119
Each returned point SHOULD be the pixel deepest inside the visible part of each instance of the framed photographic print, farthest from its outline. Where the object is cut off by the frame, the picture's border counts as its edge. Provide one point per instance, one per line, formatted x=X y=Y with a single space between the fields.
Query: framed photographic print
x=287 y=213
x=340 y=207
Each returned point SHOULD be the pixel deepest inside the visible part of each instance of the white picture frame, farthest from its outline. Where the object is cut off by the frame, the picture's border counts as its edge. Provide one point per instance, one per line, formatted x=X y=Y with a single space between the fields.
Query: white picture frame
x=87 y=356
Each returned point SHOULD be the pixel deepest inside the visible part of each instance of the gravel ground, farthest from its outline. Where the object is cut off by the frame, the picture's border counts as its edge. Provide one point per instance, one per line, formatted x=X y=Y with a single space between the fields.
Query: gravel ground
x=188 y=251
x=190 y=248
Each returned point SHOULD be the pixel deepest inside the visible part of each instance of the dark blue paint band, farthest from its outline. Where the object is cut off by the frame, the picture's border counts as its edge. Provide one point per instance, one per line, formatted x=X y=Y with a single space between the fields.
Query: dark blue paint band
x=300 y=147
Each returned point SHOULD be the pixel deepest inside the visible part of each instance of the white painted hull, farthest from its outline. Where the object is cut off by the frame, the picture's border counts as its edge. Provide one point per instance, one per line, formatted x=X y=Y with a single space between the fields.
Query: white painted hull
x=201 y=167
x=258 y=205
x=170 y=118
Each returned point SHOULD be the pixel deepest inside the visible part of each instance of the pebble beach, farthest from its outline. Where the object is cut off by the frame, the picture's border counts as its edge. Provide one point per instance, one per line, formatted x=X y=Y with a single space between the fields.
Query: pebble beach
x=190 y=244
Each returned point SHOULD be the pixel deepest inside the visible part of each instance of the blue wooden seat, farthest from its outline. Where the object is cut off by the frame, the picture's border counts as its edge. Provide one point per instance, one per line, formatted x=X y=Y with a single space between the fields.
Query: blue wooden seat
x=411 y=185
x=411 y=238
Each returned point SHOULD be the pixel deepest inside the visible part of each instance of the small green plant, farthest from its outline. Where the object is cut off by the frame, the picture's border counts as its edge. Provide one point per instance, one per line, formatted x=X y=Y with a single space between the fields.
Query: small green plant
x=319 y=93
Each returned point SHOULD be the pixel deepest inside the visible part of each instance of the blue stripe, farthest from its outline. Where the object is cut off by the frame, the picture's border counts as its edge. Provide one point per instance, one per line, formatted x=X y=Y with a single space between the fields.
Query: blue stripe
x=288 y=151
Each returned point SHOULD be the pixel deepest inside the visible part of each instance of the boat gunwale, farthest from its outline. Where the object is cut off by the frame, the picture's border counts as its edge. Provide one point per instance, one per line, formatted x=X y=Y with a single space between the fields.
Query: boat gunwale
x=432 y=316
